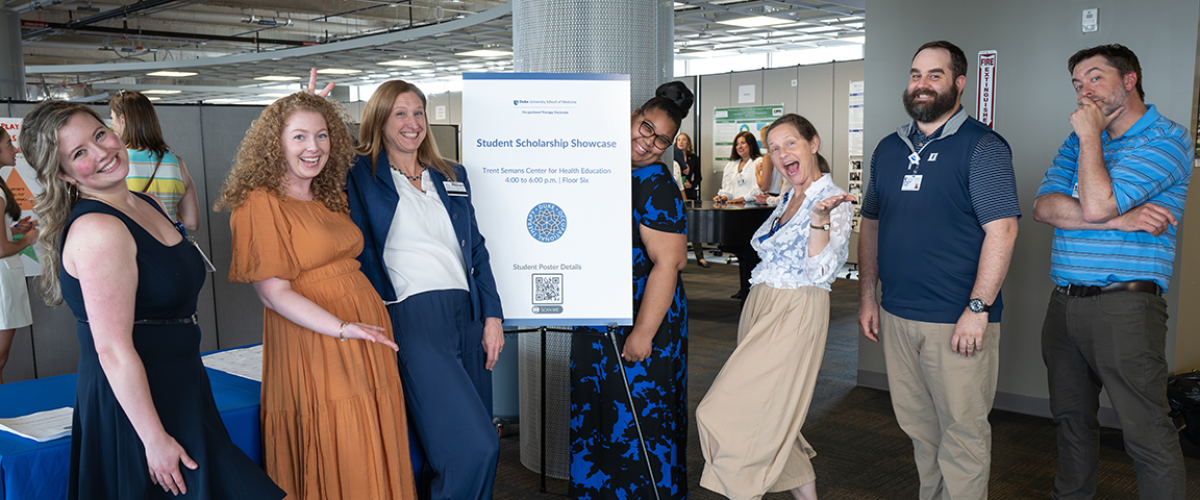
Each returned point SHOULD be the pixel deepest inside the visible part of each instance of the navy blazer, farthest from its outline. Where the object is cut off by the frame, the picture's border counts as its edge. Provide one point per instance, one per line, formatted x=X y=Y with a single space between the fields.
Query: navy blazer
x=373 y=200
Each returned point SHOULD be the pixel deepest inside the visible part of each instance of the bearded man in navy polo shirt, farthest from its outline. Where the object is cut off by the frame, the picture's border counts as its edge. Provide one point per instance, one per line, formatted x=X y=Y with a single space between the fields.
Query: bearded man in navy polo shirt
x=939 y=223
x=1114 y=195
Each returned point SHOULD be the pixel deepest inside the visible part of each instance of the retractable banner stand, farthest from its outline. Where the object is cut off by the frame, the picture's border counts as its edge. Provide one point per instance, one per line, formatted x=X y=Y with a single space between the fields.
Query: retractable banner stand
x=547 y=155
x=22 y=180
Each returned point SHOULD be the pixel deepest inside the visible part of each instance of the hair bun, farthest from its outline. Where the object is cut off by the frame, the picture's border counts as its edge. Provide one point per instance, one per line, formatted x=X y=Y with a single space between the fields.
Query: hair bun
x=677 y=93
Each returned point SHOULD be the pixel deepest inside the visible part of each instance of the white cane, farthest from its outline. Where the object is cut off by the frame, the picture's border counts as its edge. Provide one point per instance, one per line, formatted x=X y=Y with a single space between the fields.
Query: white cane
x=612 y=335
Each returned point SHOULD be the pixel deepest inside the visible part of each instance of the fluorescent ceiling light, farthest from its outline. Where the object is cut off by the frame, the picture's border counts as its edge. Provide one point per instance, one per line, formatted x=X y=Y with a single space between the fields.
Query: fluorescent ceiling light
x=153 y=98
x=161 y=91
x=405 y=62
x=755 y=21
x=423 y=71
x=274 y=78
x=222 y=99
x=484 y=53
x=338 y=71
x=172 y=74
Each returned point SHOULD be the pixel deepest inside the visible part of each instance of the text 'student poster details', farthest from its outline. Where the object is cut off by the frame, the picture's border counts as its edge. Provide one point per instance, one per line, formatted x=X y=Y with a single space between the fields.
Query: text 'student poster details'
x=548 y=160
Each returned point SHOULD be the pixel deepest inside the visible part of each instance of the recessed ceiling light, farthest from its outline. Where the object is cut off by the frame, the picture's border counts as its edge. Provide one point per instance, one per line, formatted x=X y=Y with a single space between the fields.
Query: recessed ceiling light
x=161 y=91
x=484 y=53
x=172 y=74
x=275 y=78
x=338 y=71
x=755 y=21
x=405 y=62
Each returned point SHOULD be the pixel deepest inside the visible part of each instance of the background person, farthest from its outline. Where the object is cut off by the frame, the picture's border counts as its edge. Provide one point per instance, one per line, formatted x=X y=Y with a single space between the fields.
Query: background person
x=750 y=420
x=145 y=422
x=604 y=464
x=771 y=182
x=1114 y=195
x=14 y=294
x=333 y=421
x=739 y=184
x=425 y=256
x=686 y=157
x=153 y=168
x=938 y=231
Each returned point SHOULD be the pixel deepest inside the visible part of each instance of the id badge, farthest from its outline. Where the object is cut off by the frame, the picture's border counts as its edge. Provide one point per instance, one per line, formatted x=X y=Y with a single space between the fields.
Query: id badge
x=911 y=183
x=208 y=265
x=455 y=188
x=1075 y=191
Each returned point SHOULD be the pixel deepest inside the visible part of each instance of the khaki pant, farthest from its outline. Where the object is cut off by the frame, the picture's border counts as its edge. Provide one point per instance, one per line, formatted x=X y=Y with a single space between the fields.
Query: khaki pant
x=942 y=401
x=750 y=420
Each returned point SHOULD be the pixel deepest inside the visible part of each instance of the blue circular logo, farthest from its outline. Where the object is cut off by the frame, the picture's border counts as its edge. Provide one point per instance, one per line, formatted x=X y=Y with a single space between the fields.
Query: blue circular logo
x=546 y=222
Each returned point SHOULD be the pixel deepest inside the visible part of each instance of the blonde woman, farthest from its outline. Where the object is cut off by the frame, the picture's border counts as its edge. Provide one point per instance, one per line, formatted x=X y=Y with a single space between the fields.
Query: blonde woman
x=145 y=423
x=750 y=420
x=333 y=421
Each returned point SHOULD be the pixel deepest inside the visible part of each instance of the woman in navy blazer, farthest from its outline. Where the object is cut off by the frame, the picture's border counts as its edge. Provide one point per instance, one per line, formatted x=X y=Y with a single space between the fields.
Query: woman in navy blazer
x=447 y=324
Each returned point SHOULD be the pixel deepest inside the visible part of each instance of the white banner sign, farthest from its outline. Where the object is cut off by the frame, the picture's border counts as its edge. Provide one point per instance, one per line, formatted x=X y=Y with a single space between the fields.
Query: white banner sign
x=985 y=95
x=548 y=159
x=22 y=180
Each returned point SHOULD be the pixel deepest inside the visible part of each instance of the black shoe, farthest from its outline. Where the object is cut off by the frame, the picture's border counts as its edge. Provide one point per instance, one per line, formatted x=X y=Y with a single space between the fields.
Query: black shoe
x=703 y=263
x=741 y=295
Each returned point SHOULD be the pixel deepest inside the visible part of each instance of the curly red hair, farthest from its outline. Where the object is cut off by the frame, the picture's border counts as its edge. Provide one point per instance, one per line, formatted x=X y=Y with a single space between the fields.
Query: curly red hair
x=260 y=162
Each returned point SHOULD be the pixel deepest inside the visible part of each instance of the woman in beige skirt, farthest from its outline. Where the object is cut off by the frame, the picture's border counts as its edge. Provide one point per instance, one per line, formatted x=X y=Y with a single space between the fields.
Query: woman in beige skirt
x=750 y=420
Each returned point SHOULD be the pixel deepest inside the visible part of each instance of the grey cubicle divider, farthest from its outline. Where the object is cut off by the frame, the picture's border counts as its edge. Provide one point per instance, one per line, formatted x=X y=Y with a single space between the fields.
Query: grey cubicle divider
x=446 y=137
x=239 y=312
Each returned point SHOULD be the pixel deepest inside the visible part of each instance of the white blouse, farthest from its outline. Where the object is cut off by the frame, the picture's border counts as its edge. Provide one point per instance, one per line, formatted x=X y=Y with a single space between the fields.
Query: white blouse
x=421 y=252
x=736 y=185
x=785 y=261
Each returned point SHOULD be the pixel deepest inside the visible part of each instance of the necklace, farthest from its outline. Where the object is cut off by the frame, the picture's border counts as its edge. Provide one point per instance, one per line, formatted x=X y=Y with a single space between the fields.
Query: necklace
x=413 y=178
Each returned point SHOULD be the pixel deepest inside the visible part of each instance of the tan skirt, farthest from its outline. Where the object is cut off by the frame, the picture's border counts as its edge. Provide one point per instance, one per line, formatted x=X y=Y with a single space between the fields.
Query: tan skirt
x=750 y=420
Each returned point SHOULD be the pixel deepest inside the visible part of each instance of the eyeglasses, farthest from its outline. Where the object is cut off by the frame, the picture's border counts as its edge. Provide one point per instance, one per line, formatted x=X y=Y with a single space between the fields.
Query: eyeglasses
x=662 y=141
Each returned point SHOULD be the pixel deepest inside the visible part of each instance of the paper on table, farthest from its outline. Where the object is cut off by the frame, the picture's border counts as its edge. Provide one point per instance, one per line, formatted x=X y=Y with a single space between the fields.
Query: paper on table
x=246 y=362
x=41 y=426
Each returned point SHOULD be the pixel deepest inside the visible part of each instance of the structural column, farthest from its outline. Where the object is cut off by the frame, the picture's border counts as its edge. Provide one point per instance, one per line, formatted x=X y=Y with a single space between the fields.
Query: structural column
x=633 y=37
x=12 y=63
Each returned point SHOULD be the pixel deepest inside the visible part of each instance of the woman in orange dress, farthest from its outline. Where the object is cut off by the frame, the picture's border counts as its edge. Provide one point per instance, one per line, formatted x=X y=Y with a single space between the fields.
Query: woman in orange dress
x=333 y=419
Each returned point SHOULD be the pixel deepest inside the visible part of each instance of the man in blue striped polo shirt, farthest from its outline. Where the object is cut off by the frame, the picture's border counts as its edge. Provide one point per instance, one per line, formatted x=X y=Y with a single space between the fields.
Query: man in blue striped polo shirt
x=1114 y=195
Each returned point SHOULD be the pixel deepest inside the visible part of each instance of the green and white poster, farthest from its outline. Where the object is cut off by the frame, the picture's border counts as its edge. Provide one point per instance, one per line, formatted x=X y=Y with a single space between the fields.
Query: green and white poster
x=727 y=122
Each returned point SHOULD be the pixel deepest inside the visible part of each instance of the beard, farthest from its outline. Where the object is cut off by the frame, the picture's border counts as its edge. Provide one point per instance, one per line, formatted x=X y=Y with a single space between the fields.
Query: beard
x=929 y=111
x=1111 y=102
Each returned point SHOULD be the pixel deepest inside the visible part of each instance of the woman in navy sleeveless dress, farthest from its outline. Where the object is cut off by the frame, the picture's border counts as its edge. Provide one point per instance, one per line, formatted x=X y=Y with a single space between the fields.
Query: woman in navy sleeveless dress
x=145 y=423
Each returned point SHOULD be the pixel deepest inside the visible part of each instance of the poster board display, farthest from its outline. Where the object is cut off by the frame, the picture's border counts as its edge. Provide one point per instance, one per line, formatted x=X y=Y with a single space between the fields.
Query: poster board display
x=547 y=155
x=728 y=122
x=856 y=184
x=22 y=180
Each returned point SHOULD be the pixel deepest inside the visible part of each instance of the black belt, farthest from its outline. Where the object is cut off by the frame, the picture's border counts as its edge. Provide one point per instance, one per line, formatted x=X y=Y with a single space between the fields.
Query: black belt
x=1120 y=286
x=191 y=320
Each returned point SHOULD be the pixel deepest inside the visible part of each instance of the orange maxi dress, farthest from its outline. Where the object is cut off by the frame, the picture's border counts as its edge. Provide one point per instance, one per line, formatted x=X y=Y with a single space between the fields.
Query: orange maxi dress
x=333 y=423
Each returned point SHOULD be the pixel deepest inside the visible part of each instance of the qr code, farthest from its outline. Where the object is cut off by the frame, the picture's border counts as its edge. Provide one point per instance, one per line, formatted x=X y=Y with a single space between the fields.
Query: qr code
x=547 y=289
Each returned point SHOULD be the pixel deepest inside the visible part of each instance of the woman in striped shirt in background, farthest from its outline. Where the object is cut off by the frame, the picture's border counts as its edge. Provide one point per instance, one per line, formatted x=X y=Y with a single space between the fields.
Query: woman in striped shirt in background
x=153 y=168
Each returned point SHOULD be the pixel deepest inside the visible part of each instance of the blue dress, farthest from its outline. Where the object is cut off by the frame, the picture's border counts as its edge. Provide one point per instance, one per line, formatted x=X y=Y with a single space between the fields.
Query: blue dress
x=108 y=459
x=606 y=459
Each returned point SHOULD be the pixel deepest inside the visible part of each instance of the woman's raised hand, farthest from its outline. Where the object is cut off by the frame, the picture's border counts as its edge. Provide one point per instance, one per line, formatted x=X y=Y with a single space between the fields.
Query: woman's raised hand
x=312 y=85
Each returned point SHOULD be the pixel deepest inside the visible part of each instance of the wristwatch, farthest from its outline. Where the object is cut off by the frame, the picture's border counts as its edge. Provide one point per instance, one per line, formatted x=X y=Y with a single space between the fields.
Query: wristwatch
x=977 y=306
x=824 y=227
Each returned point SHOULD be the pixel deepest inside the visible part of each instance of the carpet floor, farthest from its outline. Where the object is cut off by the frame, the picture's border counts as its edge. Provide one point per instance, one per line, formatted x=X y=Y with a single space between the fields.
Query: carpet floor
x=862 y=453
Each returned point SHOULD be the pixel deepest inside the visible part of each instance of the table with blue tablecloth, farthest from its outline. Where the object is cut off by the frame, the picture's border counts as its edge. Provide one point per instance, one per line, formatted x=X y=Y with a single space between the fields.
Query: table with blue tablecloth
x=35 y=471
x=30 y=470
